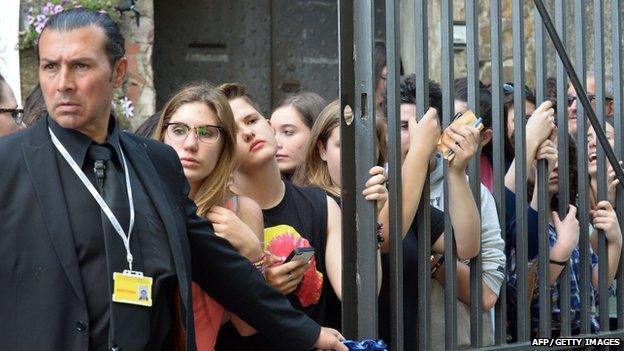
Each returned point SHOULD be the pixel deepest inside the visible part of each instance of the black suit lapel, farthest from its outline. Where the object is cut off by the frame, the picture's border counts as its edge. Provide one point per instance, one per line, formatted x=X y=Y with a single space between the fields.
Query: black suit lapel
x=137 y=156
x=40 y=158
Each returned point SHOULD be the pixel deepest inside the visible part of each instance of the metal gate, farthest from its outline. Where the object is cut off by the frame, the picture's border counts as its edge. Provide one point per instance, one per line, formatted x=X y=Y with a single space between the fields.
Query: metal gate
x=357 y=21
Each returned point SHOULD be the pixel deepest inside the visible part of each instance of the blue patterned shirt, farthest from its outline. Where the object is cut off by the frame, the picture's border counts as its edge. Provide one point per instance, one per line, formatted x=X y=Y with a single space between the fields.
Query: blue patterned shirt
x=575 y=292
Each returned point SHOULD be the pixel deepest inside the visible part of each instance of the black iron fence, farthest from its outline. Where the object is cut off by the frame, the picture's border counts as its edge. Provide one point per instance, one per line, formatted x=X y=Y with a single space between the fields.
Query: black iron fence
x=357 y=90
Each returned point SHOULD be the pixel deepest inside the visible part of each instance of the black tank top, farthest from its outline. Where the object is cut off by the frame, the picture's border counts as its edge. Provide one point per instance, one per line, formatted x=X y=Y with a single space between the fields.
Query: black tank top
x=302 y=212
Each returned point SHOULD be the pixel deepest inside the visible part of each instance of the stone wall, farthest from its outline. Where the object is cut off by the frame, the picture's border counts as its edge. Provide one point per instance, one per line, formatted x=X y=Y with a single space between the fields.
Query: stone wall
x=139 y=84
x=434 y=14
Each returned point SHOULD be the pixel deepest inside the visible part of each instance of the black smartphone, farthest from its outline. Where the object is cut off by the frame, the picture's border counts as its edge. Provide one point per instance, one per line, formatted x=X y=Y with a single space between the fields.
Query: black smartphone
x=300 y=254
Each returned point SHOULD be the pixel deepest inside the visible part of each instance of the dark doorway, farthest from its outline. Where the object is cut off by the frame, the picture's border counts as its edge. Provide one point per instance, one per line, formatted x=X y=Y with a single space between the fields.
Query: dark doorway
x=274 y=47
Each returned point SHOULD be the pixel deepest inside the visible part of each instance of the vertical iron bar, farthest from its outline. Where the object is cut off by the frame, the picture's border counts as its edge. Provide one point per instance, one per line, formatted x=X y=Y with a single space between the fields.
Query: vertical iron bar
x=583 y=177
x=601 y=175
x=498 y=153
x=476 y=293
x=524 y=325
x=542 y=188
x=394 y=174
x=564 y=162
x=604 y=149
x=616 y=24
x=346 y=87
x=357 y=150
x=450 y=262
x=423 y=220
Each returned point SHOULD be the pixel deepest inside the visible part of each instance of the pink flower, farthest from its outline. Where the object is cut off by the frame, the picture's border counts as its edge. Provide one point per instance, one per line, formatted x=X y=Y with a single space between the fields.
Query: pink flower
x=58 y=8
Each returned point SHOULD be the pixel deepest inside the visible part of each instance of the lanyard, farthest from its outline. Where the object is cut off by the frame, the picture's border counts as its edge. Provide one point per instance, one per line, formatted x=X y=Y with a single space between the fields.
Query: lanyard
x=96 y=195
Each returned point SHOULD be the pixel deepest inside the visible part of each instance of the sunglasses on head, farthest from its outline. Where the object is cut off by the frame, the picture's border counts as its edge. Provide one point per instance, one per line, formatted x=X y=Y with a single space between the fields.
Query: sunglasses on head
x=508 y=88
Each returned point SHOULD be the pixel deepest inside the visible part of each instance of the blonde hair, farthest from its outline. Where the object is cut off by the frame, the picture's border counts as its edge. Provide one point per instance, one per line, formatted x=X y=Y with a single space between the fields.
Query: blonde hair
x=214 y=188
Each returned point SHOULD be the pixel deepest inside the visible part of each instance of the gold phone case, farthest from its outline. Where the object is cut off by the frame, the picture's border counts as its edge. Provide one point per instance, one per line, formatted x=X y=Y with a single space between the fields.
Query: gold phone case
x=461 y=119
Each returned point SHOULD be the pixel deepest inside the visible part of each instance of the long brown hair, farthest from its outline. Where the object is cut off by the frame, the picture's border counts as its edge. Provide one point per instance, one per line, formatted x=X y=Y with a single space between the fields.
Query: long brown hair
x=314 y=170
x=214 y=188
x=308 y=104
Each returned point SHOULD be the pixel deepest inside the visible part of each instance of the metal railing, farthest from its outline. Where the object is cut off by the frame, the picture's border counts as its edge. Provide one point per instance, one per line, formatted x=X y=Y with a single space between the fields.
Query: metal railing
x=357 y=88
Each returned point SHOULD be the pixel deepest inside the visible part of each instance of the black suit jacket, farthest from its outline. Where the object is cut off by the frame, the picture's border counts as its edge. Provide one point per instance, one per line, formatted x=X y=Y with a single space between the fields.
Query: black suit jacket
x=42 y=303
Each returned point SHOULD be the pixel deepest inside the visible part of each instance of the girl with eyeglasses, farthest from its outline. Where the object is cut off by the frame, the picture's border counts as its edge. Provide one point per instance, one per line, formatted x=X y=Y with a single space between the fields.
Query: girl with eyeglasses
x=198 y=123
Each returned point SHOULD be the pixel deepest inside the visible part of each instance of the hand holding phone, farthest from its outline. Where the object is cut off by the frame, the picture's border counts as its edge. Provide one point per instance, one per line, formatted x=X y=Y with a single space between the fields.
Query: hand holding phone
x=286 y=277
x=466 y=118
x=300 y=254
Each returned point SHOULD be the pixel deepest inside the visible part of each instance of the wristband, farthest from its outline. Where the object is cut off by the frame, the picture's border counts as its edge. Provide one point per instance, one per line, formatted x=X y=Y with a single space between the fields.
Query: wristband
x=559 y=263
x=380 y=238
x=437 y=265
x=259 y=264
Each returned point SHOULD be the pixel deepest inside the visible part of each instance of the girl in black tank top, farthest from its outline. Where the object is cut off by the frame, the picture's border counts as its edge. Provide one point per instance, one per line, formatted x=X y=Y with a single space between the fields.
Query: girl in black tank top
x=302 y=213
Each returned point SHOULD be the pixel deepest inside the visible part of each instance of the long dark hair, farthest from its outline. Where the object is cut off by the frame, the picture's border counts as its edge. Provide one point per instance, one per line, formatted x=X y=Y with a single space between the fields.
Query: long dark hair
x=508 y=105
x=380 y=60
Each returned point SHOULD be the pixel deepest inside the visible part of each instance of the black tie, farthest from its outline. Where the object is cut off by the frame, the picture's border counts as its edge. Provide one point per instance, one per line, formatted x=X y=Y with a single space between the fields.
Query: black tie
x=129 y=325
x=109 y=181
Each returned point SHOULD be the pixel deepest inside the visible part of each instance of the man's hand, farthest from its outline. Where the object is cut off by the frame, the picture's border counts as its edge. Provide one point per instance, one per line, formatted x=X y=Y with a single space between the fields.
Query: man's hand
x=424 y=134
x=228 y=226
x=286 y=277
x=464 y=141
x=330 y=339
x=567 y=235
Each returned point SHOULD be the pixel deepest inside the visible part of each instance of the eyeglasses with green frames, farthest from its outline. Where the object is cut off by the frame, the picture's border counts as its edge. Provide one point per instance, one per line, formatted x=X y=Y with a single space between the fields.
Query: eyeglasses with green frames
x=206 y=133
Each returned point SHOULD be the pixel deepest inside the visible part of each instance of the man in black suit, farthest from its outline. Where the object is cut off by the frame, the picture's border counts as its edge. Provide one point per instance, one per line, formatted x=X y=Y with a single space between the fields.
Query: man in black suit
x=84 y=207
